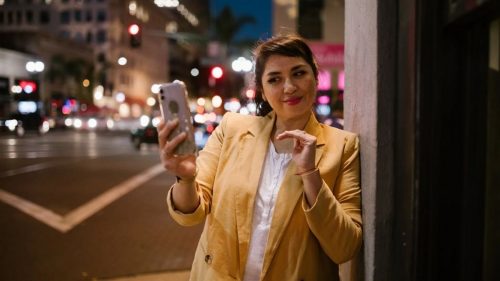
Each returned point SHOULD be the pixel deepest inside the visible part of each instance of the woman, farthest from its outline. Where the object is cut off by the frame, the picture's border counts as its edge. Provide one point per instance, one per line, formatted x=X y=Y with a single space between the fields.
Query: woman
x=279 y=192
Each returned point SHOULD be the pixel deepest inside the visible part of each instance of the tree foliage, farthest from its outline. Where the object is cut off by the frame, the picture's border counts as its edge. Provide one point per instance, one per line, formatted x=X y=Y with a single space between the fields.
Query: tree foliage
x=227 y=25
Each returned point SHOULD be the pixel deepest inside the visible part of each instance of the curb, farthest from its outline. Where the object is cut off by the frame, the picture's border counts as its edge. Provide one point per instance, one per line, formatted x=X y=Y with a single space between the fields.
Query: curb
x=182 y=275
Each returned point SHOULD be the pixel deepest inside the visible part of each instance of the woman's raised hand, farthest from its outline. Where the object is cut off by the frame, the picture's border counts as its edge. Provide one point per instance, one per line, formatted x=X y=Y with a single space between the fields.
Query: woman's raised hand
x=304 y=149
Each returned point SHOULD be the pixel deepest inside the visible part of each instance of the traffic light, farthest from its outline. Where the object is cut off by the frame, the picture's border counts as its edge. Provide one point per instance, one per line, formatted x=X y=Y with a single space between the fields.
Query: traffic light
x=216 y=72
x=134 y=32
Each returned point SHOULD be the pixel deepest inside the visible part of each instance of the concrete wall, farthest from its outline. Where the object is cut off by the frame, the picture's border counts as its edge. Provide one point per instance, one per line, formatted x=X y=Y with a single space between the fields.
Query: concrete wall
x=370 y=65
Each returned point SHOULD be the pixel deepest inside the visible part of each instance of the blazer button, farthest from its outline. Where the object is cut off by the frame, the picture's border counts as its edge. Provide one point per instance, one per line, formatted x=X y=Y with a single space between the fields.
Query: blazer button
x=208 y=259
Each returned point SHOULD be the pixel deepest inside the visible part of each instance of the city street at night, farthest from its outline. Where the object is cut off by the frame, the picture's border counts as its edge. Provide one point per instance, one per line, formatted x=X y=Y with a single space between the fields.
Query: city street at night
x=86 y=206
x=312 y=140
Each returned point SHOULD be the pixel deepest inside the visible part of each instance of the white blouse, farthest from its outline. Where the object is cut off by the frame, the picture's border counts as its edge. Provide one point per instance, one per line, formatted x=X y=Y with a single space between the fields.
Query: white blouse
x=274 y=169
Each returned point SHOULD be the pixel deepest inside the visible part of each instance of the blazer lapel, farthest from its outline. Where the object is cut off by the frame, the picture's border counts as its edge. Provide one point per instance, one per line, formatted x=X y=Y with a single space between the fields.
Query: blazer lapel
x=289 y=195
x=253 y=148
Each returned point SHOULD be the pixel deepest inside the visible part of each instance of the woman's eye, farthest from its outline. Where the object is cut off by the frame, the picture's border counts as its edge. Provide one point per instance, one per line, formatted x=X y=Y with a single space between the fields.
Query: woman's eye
x=272 y=80
x=299 y=73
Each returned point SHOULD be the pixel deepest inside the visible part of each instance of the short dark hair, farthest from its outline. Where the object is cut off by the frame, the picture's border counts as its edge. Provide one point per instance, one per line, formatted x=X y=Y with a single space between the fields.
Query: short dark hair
x=286 y=45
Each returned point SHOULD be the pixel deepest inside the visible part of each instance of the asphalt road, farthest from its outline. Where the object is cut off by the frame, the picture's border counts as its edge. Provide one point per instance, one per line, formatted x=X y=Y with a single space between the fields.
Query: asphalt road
x=86 y=206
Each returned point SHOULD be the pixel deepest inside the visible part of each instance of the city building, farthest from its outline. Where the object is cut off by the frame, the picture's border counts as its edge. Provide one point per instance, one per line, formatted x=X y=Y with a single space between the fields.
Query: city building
x=322 y=24
x=123 y=66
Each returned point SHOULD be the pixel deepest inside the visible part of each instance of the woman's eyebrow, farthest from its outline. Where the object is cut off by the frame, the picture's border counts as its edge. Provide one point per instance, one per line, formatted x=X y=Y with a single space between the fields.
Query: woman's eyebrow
x=298 y=66
x=271 y=73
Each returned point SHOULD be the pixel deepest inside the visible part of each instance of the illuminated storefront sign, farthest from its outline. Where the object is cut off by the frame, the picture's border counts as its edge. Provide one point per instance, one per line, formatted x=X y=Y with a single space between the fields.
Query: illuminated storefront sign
x=328 y=55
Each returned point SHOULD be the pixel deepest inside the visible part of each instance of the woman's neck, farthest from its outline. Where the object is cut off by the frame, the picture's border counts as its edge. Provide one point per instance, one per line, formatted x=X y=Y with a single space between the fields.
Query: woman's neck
x=289 y=125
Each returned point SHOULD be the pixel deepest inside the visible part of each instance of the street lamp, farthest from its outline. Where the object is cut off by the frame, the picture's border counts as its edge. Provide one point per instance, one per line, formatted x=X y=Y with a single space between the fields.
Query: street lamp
x=242 y=64
x=122 y=60
x=35 y=66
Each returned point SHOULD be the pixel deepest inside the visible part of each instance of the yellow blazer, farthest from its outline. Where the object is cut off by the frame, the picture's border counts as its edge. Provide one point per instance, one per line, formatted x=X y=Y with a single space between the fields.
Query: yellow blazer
x=304 y=243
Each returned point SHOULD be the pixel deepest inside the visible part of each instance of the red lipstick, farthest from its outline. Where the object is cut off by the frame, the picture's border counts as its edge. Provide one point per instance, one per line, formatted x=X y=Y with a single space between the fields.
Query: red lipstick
x=293 y=101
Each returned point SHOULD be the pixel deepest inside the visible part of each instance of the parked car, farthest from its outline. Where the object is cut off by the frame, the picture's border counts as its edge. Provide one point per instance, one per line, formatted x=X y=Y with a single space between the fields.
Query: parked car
x=21 y=123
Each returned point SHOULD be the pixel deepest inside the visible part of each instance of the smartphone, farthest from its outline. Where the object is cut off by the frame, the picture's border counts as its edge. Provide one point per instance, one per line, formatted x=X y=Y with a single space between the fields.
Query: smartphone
x=174 y=105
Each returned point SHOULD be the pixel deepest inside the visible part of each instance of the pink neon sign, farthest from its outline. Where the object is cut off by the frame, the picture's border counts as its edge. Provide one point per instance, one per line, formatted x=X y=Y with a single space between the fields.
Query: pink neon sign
x=328 y=55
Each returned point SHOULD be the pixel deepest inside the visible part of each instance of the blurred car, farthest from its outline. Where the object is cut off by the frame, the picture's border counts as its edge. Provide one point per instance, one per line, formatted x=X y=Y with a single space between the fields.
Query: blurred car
x=146 y=133
x=21 y=123
x=11 y=125
x=89 y=123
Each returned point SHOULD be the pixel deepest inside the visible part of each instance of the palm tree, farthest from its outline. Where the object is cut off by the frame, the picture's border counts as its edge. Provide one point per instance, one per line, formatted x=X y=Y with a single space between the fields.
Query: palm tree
x=227 y=25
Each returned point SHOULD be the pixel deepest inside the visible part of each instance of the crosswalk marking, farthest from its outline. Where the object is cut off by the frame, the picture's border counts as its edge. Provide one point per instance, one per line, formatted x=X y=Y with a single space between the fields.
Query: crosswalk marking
x=75 y=217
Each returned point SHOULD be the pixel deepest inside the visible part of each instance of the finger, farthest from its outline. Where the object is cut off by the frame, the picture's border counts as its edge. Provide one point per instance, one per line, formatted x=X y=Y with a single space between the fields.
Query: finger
x=298 y=134
x=165 y=130
x=173 y=143
x=161 y=124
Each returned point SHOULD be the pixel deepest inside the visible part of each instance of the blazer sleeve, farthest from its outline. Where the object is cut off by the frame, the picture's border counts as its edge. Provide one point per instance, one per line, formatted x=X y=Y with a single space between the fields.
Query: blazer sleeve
x=206 y=163
x=335 y=217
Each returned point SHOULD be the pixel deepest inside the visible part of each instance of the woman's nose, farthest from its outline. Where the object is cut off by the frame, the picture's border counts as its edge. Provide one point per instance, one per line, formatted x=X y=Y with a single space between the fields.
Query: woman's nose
x=289 y=87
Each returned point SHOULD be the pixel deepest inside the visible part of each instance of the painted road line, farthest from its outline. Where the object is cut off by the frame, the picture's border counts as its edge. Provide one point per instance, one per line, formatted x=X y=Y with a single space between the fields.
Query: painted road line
x=108 y=197
x=38 y=212
x=72 y=219
x=27 y=169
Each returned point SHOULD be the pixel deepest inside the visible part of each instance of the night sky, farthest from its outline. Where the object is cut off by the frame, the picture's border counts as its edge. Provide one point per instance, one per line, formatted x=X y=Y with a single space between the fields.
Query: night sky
x=259 y=9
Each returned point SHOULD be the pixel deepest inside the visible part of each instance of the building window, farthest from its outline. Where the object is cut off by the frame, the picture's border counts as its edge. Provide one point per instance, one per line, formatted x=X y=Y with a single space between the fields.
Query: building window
x=79 y=37
x=19 y=17
x=101 y=16
x=64 y=17
x=89 y=37
x=88 y=15
x=101 y=57
x=29 y=16
x=101 y=36
x=310 y=23
x=65 y=34
x=44 y=17
x=10 y=17
x=78 y=15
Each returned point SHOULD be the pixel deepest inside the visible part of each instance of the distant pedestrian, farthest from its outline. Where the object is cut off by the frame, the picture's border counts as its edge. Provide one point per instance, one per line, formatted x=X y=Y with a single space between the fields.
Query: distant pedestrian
x=279 y=192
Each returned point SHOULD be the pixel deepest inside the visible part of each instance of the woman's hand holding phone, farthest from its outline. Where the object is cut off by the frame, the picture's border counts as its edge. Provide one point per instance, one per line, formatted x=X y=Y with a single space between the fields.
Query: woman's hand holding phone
x=183 y=166
x=175 y=132
x=185 y=199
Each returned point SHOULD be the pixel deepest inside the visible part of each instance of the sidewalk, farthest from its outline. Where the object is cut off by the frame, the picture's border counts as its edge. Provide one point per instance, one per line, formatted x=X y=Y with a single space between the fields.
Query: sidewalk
x=166 y=276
